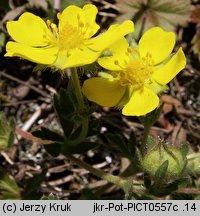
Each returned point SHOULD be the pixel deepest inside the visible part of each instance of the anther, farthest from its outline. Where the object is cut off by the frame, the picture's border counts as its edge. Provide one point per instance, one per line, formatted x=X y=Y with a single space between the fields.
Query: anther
x=59 y=16
x=116 y=62
x=81 y=24
x=54 y=27
x=129 y=50
x=48 y=23
x=78 y=16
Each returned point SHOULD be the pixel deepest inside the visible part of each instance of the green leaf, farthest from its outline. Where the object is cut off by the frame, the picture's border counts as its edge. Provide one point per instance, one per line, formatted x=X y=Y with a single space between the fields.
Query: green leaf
x=65 y=109
x=79 y=148
x=9 y=189
x=172 y=186
x=117 y=141
x=66 y=104
x=53 y=149
x=93 y=127
x=47 y=134
x=49 y=197
x=32 y=186
x=67 y=126
x=167 y=14
x=185 y=149
x=151 y=117
x=147 y=180
x=7 y=130
x=162 y=170
x=151 y=142
x=63 y=103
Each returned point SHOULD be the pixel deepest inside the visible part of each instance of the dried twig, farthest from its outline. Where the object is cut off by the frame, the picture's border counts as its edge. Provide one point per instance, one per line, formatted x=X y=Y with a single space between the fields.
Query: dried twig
x=39 y=91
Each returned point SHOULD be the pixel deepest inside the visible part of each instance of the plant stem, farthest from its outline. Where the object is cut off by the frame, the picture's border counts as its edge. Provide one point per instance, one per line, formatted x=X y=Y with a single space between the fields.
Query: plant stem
x=147 y=129
x=99 y=173
x=79 y=96
x=77 y=87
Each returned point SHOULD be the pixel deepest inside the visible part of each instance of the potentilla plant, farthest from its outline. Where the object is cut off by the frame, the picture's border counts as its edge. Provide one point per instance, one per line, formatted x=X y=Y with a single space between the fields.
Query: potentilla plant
x=132 y=78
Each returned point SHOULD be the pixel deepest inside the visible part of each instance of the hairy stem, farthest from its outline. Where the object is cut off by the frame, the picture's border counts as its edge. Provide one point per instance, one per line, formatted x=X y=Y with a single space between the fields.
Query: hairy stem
x=79 y=96
x=99 y=173
x=77 y=87
x=147 y=129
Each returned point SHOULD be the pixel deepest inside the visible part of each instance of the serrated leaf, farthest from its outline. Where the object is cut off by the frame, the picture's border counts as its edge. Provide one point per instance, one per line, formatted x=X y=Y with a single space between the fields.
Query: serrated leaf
x=166 y=13
x=162 y=170
x=7 y=130
x=79 y=148
x=8 y=188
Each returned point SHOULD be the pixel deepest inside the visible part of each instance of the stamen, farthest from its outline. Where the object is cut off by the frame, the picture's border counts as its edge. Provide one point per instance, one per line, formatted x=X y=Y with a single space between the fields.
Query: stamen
x=48 y=23
x=116 y=62
x=129 y=50
x=137 y=73
x=55 y=29
x=59 y=16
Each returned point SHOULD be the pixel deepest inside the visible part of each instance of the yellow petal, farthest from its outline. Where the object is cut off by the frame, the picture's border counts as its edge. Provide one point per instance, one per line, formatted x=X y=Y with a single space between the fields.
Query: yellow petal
x=141 y=102
x=30 y=30
x=80 y=57
x=158 y=43
x=83 y=19
x=89 y=17
x=166 y=73
x=70 y=16
x=103 y=91
x=112 y=35
x=119 y=54
x=45 y=55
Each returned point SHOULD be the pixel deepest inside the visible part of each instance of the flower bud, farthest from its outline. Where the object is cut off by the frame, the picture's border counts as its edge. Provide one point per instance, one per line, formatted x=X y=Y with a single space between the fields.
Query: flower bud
x=193 y=164
x=161 y=153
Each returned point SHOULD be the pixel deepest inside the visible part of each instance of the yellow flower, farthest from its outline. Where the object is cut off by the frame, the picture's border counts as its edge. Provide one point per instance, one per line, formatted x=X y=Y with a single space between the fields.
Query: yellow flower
x=137 y=74
x=69 y=44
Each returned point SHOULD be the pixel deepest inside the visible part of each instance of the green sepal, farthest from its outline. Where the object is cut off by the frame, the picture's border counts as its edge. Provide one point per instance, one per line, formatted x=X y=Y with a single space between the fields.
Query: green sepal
x=162 y=170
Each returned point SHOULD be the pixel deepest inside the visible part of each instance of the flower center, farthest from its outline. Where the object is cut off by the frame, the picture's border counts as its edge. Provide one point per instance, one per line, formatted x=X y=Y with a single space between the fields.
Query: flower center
x=138 y=72
x=70 y=37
